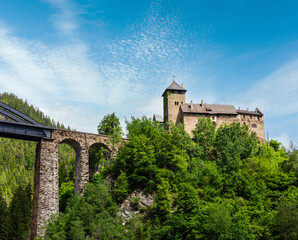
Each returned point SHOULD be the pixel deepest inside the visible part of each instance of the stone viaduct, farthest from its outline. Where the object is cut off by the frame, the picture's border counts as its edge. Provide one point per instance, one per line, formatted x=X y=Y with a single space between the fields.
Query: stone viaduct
x=45 y=198
x=15 y=124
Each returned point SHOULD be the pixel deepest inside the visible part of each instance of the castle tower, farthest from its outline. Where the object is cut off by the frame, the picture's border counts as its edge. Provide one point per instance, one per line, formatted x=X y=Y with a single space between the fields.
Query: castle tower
x=173 y=97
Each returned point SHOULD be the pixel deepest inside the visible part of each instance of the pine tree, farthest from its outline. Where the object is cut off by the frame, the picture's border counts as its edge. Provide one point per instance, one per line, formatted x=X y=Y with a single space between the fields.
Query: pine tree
x=3 y=219
x=20 y=212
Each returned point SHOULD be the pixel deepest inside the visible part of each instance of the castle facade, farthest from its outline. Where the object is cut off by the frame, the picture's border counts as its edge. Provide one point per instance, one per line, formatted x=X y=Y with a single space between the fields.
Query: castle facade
x=178 y=111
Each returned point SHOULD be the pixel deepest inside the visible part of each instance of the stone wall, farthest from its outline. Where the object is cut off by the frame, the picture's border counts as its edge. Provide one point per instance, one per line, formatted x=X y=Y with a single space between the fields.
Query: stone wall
x=173 y=109
x=45 y=196
x=254 y=123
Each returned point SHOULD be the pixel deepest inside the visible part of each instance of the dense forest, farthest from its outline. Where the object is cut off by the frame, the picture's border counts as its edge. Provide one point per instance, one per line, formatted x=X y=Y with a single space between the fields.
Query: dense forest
x=219 y=184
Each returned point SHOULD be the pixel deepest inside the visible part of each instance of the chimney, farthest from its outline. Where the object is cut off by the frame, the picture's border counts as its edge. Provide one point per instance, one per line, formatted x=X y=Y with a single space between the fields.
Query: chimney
x=181 y=84
x=247 y=109
x=202 y=102
x=238 y=108
x=191 y=105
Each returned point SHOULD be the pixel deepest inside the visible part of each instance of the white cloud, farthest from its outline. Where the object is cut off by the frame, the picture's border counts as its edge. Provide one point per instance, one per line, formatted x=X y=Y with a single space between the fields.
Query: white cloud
x=276 y=94
x=120 y=76
x=65 y=19
x=76 y=117
x=284 y=139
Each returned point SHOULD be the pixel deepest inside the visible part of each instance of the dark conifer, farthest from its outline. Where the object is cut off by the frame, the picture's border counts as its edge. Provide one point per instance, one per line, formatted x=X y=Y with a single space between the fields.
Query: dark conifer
x=3 y=219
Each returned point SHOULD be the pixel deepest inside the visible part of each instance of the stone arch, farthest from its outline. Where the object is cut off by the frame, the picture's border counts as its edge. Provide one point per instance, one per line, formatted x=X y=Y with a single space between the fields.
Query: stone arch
x=73 y=143
x=94 y=149
x=81 y=177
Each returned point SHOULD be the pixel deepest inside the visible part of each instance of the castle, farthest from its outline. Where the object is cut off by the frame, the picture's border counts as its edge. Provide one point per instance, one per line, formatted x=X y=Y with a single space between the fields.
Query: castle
x=178 y=111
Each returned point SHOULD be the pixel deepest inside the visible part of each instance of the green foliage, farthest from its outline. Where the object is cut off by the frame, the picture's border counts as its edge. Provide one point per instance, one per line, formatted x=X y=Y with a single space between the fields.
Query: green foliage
x=98 y=156
x=218 y=221
x=163 y=201
x=67 y=158
x=120 y=189
x=66 y=191
x=204 y=133
x=4 y=219
x=110 y=125
x=219 y=185
x=233 y=143
x=165 y=105
x=287 y=219
x=93 y=215
x=275 y=144
x=20 y=213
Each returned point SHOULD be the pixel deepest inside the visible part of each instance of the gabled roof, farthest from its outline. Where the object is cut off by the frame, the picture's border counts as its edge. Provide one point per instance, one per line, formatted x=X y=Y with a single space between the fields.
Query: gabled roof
x=208 y=109
x=174 y=86
x=192 y=108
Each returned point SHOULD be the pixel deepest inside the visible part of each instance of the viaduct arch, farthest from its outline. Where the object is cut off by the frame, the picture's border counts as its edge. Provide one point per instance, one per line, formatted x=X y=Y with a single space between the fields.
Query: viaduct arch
x=14 y=124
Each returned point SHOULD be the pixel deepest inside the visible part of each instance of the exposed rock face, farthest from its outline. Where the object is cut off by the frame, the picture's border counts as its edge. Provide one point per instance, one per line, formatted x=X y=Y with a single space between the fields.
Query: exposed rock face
x=134 y=202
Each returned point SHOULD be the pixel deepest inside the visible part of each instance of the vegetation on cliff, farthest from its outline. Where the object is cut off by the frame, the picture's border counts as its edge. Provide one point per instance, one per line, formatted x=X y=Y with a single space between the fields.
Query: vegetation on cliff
x=220 y=184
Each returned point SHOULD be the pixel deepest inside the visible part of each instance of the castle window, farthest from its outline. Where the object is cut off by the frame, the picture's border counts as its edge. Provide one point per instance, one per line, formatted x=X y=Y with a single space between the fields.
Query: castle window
x=258 y=118
x=254 y=125
x=212 y=118
x=181 y=102
x=250 y=117
x=244 y=123
x=243 y=116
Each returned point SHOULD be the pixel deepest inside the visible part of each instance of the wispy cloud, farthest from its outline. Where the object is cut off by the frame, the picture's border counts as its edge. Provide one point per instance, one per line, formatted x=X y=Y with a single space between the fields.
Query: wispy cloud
x=276 y=94
x=65 y=19
x=124 y=75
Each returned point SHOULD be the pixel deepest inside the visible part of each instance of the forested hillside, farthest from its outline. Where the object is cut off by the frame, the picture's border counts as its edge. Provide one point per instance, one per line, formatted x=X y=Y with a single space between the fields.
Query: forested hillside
x=221 y=184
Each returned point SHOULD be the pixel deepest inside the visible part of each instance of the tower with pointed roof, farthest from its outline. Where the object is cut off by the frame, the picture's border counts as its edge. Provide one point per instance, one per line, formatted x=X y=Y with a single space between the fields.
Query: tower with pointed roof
x=173 y=98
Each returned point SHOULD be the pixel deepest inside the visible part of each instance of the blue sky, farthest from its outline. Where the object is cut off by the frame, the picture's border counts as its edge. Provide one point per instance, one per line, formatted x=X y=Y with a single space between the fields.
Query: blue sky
x=80 y=60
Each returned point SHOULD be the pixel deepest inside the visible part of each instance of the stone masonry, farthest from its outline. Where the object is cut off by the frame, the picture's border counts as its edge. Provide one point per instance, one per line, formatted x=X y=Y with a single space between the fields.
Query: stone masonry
x=45 y=198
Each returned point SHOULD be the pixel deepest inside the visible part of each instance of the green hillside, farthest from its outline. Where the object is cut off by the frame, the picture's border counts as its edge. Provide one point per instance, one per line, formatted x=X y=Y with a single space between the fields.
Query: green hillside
x=220 y=184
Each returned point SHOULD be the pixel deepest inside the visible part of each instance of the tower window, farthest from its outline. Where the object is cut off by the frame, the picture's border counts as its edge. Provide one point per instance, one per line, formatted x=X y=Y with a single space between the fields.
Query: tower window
x=254 y=125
